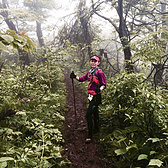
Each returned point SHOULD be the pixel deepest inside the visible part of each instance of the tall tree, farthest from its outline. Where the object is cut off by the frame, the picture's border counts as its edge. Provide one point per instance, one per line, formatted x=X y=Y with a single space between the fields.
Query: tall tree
x=80 y=32
x=121 y=30
x=40 y=7
x=86 y=37
x=135 y=18
x=160 y=65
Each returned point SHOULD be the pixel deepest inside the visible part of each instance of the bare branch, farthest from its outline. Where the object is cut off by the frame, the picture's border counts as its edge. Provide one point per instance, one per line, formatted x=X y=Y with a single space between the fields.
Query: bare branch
x=108 y=19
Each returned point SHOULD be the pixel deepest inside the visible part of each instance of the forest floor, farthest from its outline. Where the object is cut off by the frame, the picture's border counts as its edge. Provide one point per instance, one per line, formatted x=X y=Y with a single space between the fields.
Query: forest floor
x=80 y=154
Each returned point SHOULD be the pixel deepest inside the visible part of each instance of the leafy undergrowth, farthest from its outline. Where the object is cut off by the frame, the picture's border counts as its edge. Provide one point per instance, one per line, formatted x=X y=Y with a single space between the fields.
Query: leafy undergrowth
x=32 y=137
x=134 y=123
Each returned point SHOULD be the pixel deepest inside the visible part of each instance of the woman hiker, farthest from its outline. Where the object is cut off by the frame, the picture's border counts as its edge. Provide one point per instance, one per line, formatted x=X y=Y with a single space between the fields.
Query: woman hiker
x=96 y=84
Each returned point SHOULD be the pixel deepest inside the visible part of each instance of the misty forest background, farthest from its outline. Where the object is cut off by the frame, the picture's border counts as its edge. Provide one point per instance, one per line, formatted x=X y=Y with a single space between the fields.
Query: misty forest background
x=40 y=38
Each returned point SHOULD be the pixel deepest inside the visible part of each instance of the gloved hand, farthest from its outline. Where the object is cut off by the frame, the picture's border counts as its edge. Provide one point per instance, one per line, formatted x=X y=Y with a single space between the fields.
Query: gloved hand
x=97 y=90
x=72 y=75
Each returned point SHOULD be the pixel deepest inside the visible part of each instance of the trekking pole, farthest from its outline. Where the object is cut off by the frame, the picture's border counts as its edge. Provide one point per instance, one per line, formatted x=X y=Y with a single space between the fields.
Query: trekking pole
x=74 y=102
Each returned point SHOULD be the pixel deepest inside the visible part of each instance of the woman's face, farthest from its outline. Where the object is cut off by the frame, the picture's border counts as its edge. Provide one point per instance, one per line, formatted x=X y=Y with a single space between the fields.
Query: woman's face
x=94 y=63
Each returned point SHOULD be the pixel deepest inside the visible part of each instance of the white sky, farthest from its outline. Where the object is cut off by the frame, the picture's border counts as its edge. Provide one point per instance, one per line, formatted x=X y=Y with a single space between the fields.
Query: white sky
x=67 y=7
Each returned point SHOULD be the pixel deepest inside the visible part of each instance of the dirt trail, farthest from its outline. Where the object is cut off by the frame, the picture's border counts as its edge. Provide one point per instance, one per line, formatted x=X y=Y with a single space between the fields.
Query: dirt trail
x=80 y=154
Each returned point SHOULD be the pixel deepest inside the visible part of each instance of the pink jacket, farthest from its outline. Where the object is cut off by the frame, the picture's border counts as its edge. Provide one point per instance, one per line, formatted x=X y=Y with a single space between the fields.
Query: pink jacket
x=92 y=86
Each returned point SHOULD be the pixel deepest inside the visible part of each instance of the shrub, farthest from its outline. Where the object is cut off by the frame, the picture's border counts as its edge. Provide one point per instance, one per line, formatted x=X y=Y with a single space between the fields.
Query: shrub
x=33 y=136
x=134 y=122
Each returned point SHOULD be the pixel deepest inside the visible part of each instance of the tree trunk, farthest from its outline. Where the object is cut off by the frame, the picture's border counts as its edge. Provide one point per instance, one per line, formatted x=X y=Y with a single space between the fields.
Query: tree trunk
x=123 y=34
x=41 y=41
x=118 y=66
x=158 y=77
x=84 y=21
x=158 y=74
x=40 y=34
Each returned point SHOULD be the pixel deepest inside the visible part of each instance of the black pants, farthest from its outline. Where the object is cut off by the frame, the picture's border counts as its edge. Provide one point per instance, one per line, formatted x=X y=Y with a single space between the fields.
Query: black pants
x=92 y=111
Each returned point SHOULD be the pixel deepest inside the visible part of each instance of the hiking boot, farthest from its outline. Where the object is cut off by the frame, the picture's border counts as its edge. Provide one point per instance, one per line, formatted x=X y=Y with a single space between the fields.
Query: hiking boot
x=88 y=140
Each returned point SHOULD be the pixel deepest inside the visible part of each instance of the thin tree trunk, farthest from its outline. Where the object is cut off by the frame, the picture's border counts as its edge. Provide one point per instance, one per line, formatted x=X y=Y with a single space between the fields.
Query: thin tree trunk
x=41 y=41
x=123 y=34
x=84 y=18
x=158 y=77
x=40 y=34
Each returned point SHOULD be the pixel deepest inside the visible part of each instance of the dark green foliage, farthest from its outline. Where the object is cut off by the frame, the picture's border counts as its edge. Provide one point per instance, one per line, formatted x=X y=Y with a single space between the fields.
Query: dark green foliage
x=16 y=41
x=33 y=136
x=134 y=123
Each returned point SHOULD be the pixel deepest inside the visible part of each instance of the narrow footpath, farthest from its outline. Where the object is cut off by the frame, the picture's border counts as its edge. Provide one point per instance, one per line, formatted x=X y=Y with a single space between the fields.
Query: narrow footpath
x=80 y=154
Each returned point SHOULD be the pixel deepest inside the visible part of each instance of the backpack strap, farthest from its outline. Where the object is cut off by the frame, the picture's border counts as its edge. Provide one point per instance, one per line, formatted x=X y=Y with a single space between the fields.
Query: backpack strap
x=96 y=72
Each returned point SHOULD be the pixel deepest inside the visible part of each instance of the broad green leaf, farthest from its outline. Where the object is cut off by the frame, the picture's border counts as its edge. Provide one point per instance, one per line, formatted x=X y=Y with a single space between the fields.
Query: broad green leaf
x=7 y=38
x=142 y=157
x=45 y=158
x=60 y=116
x=30 y=42
x=153 y=140
x=120 y=151
x=18 y=38
x=12 y=32
x=26 y=48
x=22 y=39
x=4 y=159
x=131 y=146
x=2 y=47
x=131 y=129
x=123 y=139
x=17 y=133
x=155 y=162
x=14 y=45
x=21 y=113
x=3 y=164
x=118 y=134
x=152 y=152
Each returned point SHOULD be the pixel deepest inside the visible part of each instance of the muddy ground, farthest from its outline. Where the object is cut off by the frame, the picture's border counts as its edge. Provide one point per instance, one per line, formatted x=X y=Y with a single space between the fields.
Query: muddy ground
x=80 y=154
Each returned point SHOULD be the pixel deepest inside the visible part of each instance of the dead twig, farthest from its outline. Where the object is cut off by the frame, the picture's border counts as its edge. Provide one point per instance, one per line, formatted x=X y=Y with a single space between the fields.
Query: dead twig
x=1 y=66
